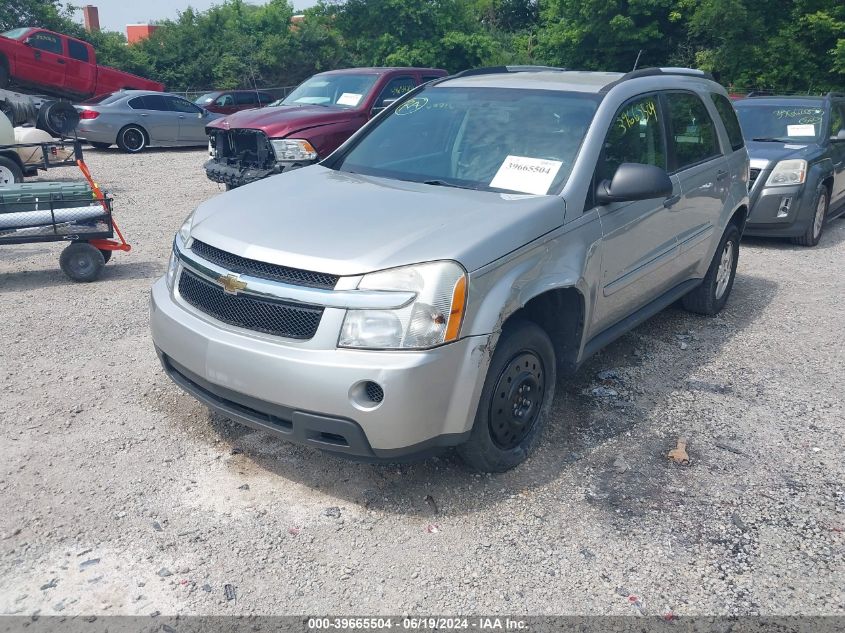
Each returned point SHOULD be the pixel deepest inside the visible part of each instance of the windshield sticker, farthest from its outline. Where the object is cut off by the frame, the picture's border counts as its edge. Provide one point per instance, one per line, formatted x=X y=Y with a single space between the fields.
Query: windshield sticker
x=637 y=114
x=788 y=146
x=529 y=175
x=349 y=98
x=411 y=105
x=801 y=130
x=805 y=116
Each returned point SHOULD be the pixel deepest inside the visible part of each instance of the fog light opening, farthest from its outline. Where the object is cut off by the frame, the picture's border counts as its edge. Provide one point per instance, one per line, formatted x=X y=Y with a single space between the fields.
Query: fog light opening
x=366 y=394
x=783 y=209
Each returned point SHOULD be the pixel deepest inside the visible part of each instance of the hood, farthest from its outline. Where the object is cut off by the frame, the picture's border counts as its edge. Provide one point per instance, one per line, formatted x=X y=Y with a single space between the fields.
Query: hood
x=765 y=153
x=322 y=220
x=279 y=121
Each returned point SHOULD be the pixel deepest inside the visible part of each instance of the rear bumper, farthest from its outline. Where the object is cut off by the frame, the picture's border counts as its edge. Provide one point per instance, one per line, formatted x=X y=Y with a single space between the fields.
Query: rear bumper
x=308 y=396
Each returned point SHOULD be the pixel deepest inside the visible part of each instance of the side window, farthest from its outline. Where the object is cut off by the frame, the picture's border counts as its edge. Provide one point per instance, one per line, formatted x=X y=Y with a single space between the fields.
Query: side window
x=46 y=42
x=395 y=89
x=137 y=103
x=265 y=98
x=694 y=138
x=77 y=50
x=225 y=101
x=728 y=114
x=246 y=98
x=837 y=118
x=156 y=102
x=181 y=105
x=635 y=136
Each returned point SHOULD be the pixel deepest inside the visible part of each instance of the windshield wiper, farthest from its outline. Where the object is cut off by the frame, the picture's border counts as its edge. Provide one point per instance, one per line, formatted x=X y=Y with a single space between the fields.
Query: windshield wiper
x=769 y=139
x=444 y=183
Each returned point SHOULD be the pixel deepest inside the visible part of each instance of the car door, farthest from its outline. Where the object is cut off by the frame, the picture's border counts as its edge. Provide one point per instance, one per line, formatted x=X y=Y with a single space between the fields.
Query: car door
x=80 y=72
x=191 y=121
x=45 y=58
x=837 y=151
x=639 y=245
x=161 y=123
x=696 y=158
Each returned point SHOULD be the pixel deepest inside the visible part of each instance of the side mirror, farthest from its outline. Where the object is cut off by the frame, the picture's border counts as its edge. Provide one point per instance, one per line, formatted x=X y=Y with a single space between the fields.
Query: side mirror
x=634 y=181
x=839 y=136
x=384 y=105
x=28 y=41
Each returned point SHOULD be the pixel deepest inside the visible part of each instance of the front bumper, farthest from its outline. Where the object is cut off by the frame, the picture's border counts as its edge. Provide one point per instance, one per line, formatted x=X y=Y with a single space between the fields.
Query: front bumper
x=235 y=175
x=768 y=218
x=305 y=394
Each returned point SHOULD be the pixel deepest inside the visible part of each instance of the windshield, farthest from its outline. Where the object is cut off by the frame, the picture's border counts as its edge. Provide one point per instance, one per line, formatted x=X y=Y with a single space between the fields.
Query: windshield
x=480 y=138
x=16 y=34
x=346 y=91
x=206 y=98
x=780 y=122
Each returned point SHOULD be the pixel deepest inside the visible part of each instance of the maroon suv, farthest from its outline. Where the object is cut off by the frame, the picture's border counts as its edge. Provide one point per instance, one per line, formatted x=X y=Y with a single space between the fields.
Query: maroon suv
x=308 y=125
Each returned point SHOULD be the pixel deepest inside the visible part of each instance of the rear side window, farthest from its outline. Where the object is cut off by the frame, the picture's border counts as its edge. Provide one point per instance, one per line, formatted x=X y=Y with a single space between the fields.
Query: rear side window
x=837 y=119
x=728 y=114
x=77 y=50
x=245 y=98
x=636 y=136
x=149 y=102
x=693 y=135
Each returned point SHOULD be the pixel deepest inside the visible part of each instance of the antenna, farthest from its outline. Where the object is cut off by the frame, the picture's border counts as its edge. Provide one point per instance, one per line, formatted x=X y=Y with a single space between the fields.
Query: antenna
x=637 y=62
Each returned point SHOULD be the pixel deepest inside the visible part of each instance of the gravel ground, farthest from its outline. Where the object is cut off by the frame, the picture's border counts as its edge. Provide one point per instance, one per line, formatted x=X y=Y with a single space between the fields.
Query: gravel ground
x=122 y=495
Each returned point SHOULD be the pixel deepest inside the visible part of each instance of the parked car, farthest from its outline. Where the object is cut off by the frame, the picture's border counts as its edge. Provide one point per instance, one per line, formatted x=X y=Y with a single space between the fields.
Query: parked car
x=797 y=150
x=231 y=101
x=423 y=286
x=59 y=65
x=137 y=119
x=308 y=125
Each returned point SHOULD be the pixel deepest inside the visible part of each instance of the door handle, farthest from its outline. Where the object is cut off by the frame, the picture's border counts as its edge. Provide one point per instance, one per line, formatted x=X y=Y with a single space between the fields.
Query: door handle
x=37 y=54
x=181 y=116
x=143 y=114
x=721 y=174
x=61 y=61
x=671 y=202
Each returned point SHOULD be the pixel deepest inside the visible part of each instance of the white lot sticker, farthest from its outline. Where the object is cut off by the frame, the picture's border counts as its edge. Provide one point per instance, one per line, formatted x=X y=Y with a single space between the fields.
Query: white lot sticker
x=530 y=175
x=349 y=98
x=801 y=130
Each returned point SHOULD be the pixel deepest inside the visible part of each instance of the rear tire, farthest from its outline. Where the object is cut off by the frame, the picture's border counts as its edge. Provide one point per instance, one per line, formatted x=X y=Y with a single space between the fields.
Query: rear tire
x=515 y=401
x=132 y=139
x=711 y=296
x=813 y=234
x=10 y=171
x=82 y=262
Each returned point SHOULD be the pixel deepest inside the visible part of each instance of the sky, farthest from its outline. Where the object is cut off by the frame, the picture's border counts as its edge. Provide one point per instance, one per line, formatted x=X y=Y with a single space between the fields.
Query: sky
x=116 y=14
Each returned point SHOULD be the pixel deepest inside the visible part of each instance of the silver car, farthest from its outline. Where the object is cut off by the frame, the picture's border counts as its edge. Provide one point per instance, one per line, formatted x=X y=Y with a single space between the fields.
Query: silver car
x=137 y=119
x=425 y=285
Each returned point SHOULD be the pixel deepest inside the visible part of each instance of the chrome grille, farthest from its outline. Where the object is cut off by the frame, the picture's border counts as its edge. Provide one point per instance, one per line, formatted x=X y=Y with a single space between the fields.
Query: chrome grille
x=279 y=318
x=244 y=266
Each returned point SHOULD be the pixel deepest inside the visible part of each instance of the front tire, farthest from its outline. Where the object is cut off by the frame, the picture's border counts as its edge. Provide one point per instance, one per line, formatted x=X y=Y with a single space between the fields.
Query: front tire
x=711 y=296
x=515 y=401
x=10 y=171
x=813 y=233
x=132 y=139
x=82 y=262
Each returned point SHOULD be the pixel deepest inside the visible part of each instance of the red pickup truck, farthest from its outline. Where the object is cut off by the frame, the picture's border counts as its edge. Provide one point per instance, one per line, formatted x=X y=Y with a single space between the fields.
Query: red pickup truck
x=59 y=65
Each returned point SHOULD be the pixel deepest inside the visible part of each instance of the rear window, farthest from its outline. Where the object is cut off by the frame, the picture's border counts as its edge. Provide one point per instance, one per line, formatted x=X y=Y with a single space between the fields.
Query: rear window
x=728 y=114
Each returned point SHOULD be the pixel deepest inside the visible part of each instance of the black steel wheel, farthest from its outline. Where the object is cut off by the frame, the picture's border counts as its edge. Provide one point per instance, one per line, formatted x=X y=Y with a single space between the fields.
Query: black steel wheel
x=82 y=262
x=132 y=139
x=516 y=405
x=515 y=401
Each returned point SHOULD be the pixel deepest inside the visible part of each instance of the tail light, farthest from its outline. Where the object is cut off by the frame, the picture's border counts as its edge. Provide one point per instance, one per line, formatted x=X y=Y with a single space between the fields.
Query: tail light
x=89 y=114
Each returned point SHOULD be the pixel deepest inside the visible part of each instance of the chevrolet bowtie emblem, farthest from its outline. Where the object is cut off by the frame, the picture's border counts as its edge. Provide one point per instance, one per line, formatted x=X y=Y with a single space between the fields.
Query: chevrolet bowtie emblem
x=232 y=284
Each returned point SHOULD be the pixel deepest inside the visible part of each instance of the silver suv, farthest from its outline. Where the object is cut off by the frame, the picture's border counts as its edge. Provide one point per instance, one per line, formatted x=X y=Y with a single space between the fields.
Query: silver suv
x=425 y=285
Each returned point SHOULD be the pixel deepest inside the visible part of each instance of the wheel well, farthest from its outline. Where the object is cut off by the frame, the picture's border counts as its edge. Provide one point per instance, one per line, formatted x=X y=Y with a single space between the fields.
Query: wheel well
x=739 y=217
x=560 y=313
x=828 y=182
x=13 y=156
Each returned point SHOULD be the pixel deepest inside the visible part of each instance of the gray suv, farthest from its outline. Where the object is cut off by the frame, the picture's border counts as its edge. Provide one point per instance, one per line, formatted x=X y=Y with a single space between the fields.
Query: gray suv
x=797 y=150
x=425 y=285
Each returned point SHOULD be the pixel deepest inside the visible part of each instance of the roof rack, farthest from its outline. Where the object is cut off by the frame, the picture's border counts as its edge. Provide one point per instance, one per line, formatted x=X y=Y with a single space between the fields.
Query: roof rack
x=654 y=72
x=496 y=70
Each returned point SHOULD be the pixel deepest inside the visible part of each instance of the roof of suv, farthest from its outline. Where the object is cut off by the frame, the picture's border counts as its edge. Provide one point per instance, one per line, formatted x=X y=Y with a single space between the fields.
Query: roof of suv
x=545 y=78
x=377 y=70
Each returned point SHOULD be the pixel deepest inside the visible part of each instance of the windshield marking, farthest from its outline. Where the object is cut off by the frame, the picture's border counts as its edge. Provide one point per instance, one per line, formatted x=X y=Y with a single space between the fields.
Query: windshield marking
x=411 y=106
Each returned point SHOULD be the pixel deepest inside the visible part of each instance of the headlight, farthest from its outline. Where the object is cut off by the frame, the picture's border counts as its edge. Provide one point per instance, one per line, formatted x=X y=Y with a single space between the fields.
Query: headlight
x=434 y=317
x=184 y=233
x=788 y=172
x=293 y=149
x=172 y=267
